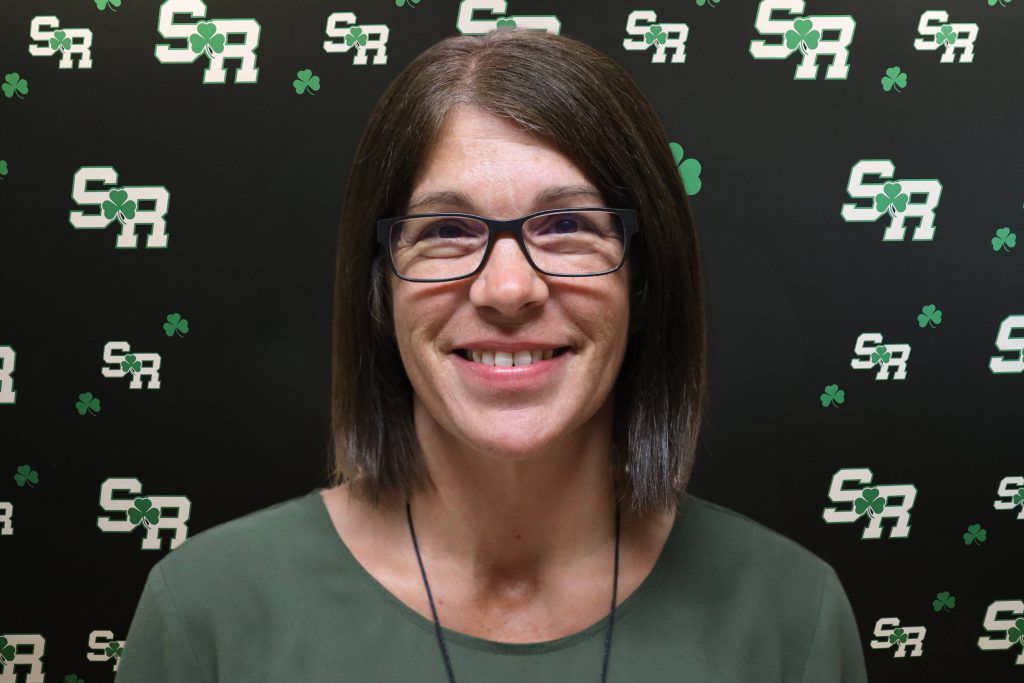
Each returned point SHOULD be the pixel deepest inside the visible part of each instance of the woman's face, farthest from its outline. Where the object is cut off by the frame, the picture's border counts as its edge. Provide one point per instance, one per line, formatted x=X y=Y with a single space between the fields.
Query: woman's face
x=501 y=170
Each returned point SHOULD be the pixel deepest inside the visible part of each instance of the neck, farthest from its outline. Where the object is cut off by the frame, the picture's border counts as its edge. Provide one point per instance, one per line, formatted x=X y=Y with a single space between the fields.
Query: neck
x=506 y=525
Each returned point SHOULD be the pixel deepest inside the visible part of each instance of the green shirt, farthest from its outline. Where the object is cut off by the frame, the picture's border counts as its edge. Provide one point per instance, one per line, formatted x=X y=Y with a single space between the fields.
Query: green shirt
x=277 y=597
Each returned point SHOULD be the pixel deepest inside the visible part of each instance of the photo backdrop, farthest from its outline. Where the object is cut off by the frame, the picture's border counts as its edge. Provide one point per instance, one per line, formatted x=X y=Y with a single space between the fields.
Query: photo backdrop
x=171 y=177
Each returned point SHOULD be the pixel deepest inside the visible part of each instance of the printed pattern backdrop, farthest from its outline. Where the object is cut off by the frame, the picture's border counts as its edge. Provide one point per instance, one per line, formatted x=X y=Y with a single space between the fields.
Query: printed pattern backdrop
x=170 y=184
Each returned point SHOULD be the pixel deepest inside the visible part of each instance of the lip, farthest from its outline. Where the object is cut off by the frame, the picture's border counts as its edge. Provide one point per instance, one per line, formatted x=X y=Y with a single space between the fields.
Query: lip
x=510 y=347
x=512 y=378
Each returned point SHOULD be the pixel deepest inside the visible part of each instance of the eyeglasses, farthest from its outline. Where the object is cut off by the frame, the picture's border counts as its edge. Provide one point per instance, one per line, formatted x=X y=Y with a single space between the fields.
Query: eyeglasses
x=577 y=242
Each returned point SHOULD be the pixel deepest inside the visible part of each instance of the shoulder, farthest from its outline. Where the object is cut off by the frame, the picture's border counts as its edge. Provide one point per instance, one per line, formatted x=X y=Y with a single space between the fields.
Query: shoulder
x=746 y=562
x=241 y=550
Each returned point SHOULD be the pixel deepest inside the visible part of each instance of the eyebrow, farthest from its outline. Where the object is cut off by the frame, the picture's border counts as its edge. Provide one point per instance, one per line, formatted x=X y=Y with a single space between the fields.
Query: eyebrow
x=554 y=193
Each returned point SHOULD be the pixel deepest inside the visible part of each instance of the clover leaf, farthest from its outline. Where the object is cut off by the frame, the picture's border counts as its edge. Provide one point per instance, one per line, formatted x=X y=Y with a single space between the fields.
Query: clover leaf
x=1004 y=240
x=175 y=323
x=355 y=35
x=689 y=170
x=801 y=36
x=894 y=78
x=945 y=34
x=869 y=502
x=102 y=4
x=412 y=3
x=114 y=650
x=3 y=168
x=943 y=601
x=1018 y=498
x=131 y=364
x=26 y=475
x=892 y=198
x=60 y=41
x=206 y=38
x=506 y=22
x=992 y=3
x=73 y=678
x=1013 y=634
x=306 y=80
x=118 y=205
x=709 y=3
x=929 y=314
x=880 y=355
x=87 y=403
x=14 y=84
x=833 y=395
x=143 y=513
x=7 y=650
x=898 y=636
x=975 y=534
x=656 y=34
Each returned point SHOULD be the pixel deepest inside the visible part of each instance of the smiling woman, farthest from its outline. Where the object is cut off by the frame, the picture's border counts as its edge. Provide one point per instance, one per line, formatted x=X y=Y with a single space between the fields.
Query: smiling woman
x=519 y=359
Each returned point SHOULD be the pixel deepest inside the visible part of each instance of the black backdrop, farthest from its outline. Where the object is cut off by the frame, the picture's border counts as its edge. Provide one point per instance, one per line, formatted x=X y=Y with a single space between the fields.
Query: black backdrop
x=251 y=176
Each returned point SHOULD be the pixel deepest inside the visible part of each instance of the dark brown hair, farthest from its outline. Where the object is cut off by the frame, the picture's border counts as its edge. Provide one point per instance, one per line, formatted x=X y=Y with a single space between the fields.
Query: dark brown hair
x=586 y=106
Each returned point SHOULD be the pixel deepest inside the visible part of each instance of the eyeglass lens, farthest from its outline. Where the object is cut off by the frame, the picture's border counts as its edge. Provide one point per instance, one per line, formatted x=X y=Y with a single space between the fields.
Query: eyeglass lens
x=580 y=242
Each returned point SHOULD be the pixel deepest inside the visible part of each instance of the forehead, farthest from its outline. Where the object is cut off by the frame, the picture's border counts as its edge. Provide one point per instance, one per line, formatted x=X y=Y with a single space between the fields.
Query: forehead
x=484 y=163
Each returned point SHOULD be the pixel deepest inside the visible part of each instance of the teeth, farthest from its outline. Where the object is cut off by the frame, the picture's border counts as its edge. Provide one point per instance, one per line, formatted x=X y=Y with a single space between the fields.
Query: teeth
x=504 y=359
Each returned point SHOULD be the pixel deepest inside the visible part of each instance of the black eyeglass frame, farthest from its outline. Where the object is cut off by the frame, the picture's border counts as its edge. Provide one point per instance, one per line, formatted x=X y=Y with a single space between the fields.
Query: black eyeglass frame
x=515 y=226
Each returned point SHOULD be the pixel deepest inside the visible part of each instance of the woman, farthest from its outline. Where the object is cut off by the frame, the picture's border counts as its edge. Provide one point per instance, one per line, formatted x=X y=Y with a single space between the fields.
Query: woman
x=505 y=523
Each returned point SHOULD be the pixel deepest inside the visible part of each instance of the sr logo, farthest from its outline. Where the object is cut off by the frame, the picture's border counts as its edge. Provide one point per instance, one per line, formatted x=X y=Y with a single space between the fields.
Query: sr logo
x=940 y=34
x=211 y=39
x=468 y=21
x=877 y=503
x=895 y=199
x=820 y=35
x=672 y=37
x=362 y=37
x=888 y=633
x=120 y=204
x=870 y=351
x=69 y=42
x=148 y=512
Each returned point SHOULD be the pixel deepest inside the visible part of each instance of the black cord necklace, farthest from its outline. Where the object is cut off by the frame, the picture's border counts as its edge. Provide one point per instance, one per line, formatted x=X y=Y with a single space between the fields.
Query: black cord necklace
x=437 y=624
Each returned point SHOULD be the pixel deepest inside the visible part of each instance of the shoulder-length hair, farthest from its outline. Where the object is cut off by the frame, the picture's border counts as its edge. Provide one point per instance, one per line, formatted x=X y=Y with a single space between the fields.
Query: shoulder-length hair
x=588 y=107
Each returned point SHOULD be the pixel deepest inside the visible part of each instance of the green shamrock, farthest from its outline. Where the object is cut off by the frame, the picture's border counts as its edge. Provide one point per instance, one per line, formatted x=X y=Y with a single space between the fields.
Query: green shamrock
x=801 y=36
x=898 y=636
x=3 y=168
x=143 y=512
x=894 y=77
x=129 y=363
x=72 y=678
x=1004 y=240
x=60 y=41
x=1013 y=634
x=13 y=83
x=656 y=34
x=7 y=650
x=306 y=80
x=102 y=4
x=87 y=403
x=118 y=205
x=1018 y=498
x=834 y=395
x=709 y=3
x=689 y=169
x=207 y=38
x=975 y=534
x=891 y=198
x=946 y=34
x=114 y=650
x=412 y=3
x=26 y=475
x=943 y=601
x=992 y=3
x=175 y=323
x=928 y=315
x=355 y=35
x=869 y=502
x=506 y=22
x=880 y=355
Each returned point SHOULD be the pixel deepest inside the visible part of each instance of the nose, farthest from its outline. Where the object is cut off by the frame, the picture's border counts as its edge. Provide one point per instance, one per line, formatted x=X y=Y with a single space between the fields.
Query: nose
x=507 y=281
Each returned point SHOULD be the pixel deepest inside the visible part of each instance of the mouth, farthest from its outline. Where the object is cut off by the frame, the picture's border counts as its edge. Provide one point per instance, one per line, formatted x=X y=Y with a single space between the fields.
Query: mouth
x=465 y=353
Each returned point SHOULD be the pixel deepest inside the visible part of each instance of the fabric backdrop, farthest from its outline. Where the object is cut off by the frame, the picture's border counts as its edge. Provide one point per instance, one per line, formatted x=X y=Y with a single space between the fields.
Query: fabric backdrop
x=170 y=184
